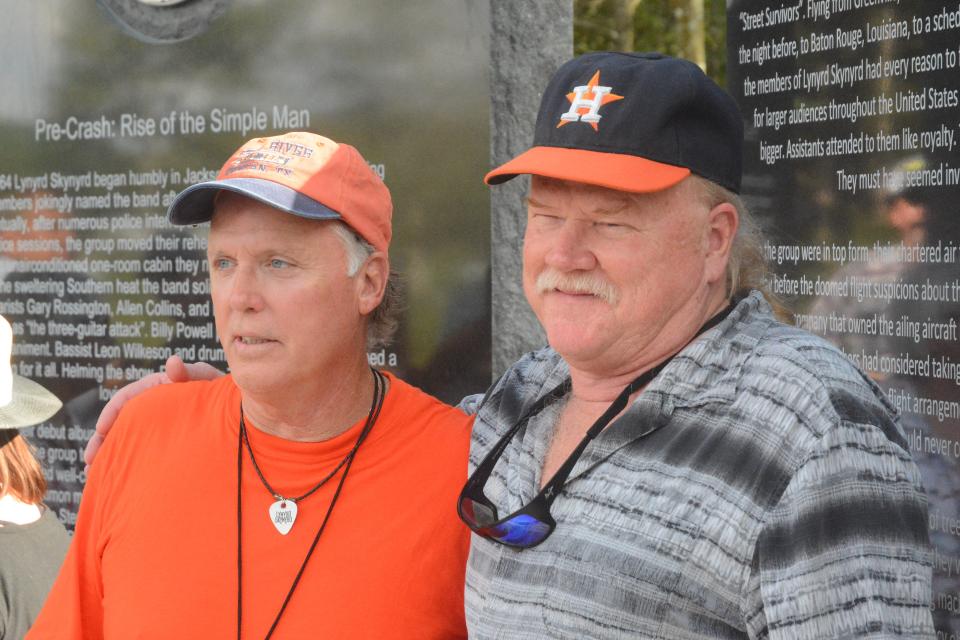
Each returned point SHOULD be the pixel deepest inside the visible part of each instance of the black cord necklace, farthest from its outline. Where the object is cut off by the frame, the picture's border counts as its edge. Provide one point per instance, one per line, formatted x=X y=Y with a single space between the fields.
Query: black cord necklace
x=378 y=395
x=283 y=512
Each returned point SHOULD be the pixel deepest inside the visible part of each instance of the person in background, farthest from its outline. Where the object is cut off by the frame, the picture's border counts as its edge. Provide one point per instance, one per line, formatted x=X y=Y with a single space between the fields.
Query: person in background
x=32 y=540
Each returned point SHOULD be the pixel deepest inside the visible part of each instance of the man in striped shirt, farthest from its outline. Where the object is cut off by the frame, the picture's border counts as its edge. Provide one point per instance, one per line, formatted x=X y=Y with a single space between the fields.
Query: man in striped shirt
x=677 y=463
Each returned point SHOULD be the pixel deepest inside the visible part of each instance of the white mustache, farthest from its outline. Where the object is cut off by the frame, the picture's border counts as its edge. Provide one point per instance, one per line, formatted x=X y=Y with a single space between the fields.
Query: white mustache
x=580 y=282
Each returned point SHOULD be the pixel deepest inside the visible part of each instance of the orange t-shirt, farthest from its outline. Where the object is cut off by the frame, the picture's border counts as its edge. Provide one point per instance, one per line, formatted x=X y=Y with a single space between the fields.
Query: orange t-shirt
x=155 y=549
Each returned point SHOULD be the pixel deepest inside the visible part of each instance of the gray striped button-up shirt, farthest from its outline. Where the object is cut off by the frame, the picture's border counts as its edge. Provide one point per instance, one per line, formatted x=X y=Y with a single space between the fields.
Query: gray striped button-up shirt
x=774 y=499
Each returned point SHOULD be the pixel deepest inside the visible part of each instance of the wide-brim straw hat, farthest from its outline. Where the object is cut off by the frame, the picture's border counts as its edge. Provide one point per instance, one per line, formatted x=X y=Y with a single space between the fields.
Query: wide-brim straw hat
x=23 y=402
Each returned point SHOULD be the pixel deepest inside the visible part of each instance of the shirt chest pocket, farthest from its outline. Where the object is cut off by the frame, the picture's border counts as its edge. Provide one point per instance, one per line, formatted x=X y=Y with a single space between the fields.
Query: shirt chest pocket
x=617 y=564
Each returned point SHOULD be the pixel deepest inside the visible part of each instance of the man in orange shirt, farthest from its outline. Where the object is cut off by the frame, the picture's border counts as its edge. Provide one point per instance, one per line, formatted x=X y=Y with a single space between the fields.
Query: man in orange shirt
x=316 y=501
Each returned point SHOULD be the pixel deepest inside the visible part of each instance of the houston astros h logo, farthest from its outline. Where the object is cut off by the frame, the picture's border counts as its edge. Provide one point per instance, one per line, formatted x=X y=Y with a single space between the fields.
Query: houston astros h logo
x=585 y=102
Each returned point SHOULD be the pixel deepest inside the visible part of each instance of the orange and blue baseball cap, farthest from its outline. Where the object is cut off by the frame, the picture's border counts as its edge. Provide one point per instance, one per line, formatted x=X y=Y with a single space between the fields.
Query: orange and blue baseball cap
x=638 y=122
x=301 y=173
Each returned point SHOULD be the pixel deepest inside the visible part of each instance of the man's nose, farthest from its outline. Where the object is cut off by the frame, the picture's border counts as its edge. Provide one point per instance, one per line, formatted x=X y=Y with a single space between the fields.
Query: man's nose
x=245 y=290
x=570 y=249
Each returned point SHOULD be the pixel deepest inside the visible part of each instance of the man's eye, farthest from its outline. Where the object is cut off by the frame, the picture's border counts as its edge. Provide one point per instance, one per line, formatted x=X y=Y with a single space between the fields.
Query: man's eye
x=611 y=227
x=222 y=263
x=277 y=263
x=542 y=218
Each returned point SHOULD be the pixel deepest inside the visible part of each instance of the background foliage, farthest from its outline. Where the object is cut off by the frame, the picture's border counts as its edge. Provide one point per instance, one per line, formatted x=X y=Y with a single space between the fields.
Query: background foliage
x=692 y=29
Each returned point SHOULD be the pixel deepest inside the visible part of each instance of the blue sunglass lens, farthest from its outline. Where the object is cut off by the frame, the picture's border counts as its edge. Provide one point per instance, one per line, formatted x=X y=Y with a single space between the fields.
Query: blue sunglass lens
x=520 y=531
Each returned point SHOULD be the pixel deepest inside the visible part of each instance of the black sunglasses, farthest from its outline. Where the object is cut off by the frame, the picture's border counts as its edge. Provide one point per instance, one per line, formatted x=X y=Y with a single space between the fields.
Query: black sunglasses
x=532 y=524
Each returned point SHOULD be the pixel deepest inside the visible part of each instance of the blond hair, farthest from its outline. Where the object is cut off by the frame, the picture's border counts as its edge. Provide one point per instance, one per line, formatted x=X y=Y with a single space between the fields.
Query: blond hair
x=747 y=267
x=20 y=473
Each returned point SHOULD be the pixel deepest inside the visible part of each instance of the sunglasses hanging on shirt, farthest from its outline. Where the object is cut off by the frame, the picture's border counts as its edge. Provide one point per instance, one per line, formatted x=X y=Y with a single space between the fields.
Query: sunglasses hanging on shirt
x=532 y=524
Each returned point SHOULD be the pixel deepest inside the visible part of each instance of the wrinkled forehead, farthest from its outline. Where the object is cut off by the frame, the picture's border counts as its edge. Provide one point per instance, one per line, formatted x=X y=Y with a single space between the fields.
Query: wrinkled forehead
x=551 y=192
x=542 y=184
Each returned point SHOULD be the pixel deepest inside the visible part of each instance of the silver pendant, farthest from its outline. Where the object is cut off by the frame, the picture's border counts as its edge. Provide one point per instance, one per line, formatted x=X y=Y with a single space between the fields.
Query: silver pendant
x=283 y=513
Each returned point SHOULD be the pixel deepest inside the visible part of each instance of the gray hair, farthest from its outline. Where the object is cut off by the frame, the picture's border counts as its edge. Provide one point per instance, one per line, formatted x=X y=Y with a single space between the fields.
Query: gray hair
x=747 y=266
x=384 y=319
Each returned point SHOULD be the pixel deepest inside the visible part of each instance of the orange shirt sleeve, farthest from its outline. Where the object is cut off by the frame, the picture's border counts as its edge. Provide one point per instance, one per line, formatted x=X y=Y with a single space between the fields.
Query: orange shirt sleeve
x=74 y=607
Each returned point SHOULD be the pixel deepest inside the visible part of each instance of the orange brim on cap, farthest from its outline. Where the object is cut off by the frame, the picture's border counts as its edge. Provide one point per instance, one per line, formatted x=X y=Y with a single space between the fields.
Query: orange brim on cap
x=618 y=171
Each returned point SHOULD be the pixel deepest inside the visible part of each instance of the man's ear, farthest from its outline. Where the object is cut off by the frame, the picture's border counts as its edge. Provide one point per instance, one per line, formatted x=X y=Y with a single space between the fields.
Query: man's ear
x=371 y=282
x=722 y=224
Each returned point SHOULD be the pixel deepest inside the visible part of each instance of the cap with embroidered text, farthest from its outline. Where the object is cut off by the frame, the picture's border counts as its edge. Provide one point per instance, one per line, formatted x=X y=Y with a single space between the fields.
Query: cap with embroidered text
x=638 y=122
x=301 y=173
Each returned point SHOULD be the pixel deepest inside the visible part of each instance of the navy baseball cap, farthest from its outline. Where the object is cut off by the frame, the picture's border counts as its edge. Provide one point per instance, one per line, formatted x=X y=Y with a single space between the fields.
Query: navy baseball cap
x=638 y=122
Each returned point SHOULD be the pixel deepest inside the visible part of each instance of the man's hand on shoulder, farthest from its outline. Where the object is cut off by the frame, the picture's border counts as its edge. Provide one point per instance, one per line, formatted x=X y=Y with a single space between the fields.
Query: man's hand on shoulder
x=176 y=370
